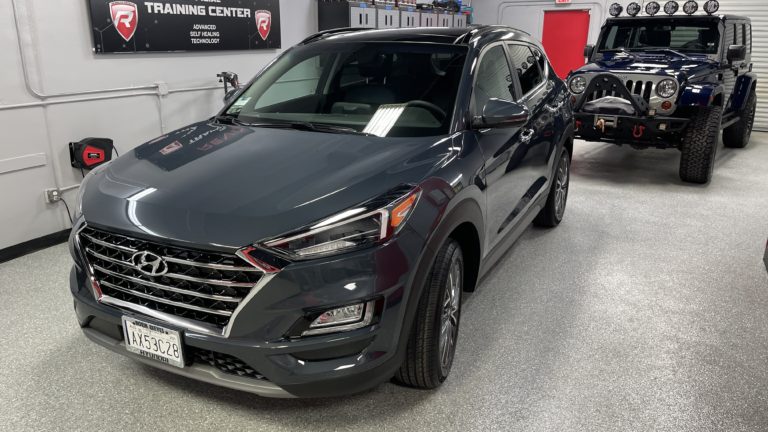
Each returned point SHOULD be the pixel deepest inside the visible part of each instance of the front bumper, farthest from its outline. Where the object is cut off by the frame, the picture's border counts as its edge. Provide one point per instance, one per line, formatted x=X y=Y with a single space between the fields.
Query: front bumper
x=645 y=131
x=323 y=365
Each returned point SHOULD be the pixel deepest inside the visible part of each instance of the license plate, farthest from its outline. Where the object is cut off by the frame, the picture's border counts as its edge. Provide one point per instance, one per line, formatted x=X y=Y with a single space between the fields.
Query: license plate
x=153 y=341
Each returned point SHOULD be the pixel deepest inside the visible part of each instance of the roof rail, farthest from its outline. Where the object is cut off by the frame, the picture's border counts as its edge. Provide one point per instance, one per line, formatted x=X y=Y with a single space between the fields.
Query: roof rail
x=321 y=34
x=477 y=29
x=472 y=30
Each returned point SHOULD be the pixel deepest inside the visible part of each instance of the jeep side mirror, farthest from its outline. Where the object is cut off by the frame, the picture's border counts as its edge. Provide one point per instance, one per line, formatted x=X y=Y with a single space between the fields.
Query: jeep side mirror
x=589 y=50
x=499 y=113
x=736 y=53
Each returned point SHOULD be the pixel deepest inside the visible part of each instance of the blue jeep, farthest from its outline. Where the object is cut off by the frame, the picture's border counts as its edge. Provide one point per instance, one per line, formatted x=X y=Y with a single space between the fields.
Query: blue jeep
x=668 y=82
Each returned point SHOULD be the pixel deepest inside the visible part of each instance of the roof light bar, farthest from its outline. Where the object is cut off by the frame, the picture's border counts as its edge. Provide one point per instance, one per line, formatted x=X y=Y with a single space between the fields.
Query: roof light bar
x=671 y=7
x=633 y=9
x=711 y=6
x=690 y=7
x=615 y=9
x=652 y=8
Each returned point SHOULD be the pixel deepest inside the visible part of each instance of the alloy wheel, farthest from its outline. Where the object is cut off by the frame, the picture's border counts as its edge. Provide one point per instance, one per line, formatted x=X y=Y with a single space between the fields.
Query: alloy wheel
x=561 y=186
x=449 y=323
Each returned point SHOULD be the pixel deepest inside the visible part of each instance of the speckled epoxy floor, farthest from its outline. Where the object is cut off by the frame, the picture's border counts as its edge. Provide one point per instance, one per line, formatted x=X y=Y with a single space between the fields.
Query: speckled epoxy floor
x=647 y=309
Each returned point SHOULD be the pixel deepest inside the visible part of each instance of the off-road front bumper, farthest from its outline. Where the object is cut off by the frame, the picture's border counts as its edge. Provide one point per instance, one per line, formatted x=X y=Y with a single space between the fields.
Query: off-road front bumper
x=599 y=118
x=660 y=132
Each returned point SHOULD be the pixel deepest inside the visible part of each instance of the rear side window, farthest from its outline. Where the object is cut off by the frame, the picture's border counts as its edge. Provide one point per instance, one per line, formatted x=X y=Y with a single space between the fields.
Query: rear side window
x=527 y=67
x=493 y=78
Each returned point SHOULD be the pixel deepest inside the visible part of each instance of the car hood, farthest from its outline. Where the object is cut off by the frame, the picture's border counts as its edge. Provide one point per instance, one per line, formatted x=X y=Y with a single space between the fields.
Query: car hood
x=651 y=64
x=228 y=186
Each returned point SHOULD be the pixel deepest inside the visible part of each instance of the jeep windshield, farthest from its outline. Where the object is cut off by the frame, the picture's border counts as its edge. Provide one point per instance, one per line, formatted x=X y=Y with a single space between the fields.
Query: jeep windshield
x=378 y=88
x=685 y=36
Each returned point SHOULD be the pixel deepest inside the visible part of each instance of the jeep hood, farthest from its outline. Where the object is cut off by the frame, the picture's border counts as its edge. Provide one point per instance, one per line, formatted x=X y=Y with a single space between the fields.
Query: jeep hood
x=228 y=186
x=652 y=64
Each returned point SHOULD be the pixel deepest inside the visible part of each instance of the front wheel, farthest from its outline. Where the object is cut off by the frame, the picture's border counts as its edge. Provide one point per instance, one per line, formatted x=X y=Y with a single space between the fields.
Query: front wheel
x=554 y=209
x=432 y=342
x=700 y=146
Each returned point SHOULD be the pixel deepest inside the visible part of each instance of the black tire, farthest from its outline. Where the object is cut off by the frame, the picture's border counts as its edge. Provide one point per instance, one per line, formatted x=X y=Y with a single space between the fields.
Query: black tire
x=554 y=210
x=700 y=146
x=423 y=366
x=737 y=135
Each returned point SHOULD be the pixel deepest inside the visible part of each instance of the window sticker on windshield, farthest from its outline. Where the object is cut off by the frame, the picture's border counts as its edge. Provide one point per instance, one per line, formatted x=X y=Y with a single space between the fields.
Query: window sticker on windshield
x=241 y=102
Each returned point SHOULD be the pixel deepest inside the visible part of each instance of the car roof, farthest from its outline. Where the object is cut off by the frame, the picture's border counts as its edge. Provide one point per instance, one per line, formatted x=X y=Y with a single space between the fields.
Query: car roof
x=447 y=35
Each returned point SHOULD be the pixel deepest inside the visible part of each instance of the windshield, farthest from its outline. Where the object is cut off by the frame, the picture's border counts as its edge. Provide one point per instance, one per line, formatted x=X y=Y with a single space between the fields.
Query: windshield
x=689 y=37
x=383 y=89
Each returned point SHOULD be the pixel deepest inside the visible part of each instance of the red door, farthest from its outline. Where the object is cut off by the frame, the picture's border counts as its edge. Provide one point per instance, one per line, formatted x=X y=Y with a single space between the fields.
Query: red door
x=564 y=37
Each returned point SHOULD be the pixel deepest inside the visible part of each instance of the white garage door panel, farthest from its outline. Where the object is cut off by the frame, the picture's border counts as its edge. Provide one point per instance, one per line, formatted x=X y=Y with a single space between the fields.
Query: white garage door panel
x=757 y=10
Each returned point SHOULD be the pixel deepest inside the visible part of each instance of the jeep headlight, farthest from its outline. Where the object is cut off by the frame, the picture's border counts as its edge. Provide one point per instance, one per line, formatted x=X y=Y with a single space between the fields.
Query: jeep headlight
x=578 y=84
x=666 y=88
x=349 y=230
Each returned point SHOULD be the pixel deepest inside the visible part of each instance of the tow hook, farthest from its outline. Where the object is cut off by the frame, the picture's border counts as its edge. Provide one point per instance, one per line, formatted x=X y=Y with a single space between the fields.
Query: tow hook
x=638 y=131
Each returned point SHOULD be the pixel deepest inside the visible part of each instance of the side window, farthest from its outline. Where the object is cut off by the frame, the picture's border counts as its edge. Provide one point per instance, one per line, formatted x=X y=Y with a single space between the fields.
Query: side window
x=746 y=36
x=526 y=66
x=493 y=78
x=299 y=81
x=541 y=59
x=736 y=39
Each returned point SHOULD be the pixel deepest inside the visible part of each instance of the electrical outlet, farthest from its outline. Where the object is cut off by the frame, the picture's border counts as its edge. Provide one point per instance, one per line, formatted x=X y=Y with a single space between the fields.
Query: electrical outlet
x=52 y=195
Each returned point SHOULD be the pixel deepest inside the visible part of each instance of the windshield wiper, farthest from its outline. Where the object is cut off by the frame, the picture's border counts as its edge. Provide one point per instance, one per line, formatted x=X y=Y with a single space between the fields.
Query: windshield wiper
x=324 y=127
x=298 y=125
x=230 y=119
x=667 y=50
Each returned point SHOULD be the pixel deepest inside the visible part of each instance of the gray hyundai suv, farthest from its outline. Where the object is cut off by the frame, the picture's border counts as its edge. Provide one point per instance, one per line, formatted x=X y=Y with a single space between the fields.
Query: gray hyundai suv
x=315 y=237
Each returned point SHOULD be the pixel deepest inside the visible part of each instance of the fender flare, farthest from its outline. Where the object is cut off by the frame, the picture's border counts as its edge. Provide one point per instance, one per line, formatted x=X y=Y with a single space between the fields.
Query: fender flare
x=745 y=84
x=700 y=95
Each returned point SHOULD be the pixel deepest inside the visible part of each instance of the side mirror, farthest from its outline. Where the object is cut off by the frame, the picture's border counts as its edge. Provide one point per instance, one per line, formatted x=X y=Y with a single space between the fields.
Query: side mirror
x=230 y=94
x=501 y=113
x=736 y=53
x=589 y=50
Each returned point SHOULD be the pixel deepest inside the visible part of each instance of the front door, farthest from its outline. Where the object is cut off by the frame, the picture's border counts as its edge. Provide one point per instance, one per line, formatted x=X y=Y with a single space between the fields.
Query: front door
x=513 y=171
x=564 y=37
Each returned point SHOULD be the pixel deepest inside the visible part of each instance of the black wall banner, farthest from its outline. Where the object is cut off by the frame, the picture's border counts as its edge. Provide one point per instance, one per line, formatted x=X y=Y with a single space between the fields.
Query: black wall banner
x=184 y=25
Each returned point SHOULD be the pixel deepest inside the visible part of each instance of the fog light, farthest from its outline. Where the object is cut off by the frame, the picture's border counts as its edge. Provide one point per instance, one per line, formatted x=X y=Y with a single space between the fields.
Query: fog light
x=666 y=105
x=662 y=126
x=344 y=318
x=342 y=315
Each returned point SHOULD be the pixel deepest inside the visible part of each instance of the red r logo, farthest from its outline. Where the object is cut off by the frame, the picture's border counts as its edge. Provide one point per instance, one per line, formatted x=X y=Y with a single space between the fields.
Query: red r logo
x=125 y=16
x=263 y=23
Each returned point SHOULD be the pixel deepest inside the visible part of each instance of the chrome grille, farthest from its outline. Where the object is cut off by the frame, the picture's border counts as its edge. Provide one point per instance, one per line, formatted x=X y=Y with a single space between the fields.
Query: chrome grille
x=638 y=87
x=641 y=88
x=199 y=285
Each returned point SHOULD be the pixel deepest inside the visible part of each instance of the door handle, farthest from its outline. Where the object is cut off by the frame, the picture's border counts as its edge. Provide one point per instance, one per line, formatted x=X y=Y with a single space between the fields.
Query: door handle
x=526 y=135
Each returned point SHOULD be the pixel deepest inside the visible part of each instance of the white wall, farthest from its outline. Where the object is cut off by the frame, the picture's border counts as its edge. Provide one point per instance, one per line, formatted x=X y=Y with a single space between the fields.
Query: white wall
x=35 y=131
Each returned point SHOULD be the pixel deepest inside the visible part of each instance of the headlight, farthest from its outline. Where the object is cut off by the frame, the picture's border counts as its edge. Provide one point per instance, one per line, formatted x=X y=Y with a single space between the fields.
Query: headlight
x=666 y=88
x=349 y=230
x=578 y=84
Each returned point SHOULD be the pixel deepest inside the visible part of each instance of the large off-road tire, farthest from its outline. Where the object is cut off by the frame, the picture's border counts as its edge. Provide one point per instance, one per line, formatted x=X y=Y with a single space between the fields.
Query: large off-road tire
x=737 y=135
x=700 y=145
x=432 y=341
x=553 y=211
